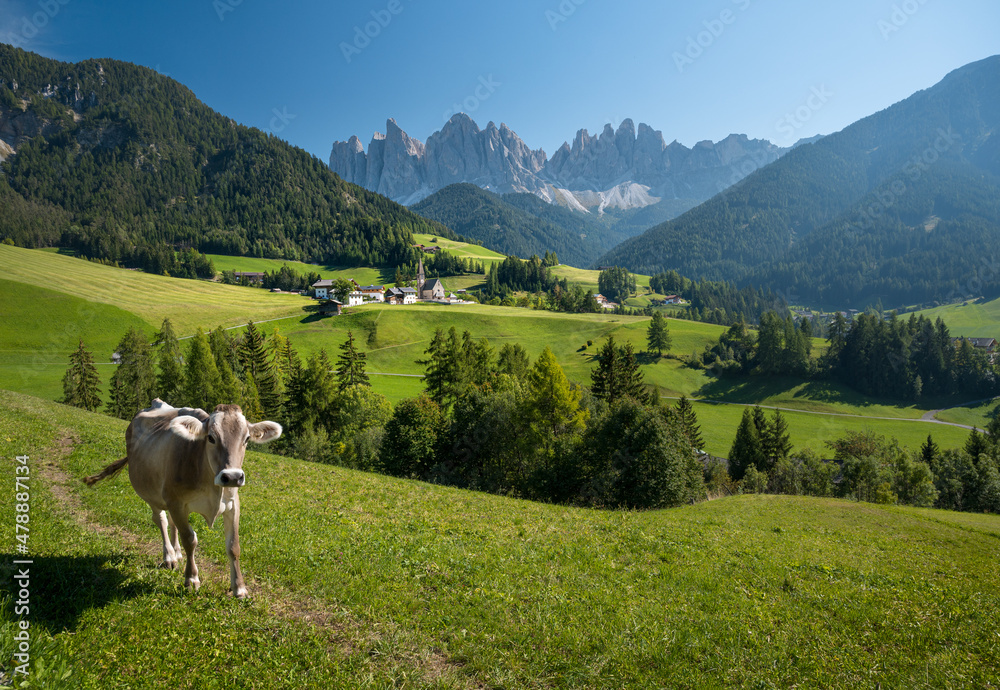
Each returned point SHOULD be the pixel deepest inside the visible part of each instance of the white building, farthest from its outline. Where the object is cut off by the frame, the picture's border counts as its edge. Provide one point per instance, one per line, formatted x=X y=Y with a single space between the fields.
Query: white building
x=373 y=293
x=323 y=288
x=355 y=298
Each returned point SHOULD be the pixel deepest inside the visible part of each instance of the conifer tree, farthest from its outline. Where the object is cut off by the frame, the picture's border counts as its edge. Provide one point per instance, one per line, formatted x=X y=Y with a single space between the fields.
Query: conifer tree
x=689 y=423
x=747 y=450
x=553 y=407
x=133 y=385
x=258 y=366
x=202 y=382
x=170 y=364
x=776 y=440
x=605 y=383
x=351 y=365
x=929 y=451
x=81 y=383
x=976 y=445
x=657 y=335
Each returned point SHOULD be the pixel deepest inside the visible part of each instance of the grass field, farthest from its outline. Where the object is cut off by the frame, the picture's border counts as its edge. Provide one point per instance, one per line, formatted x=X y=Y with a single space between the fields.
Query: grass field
x=188 y=303
x=969 y=319
x=359 y=580
x=462 y=249
x=98 y=303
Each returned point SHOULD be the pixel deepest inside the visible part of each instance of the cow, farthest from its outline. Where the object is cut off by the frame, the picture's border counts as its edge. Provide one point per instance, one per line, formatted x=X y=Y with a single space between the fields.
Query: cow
x=183 y=461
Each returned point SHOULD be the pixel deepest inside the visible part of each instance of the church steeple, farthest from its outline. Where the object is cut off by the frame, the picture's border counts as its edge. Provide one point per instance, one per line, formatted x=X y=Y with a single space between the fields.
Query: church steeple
x=420 y=279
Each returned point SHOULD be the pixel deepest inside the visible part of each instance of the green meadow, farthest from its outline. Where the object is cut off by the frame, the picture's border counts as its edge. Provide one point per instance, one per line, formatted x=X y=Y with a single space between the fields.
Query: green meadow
x=44 y=319
x=363 y=581
x=970 y=319
x=462 y=249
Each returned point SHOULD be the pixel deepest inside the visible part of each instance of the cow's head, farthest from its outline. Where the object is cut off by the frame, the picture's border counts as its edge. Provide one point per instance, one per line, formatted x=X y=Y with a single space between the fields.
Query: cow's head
x=226 y=433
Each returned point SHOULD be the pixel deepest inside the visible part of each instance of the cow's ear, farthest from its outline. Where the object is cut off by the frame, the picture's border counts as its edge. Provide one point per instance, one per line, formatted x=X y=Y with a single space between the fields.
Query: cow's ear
x=190 y=428
x=262 y=432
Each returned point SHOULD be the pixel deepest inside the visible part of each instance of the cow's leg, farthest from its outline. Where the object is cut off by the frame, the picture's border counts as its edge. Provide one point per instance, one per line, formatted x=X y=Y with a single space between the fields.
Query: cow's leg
x=232 y=524
x=190 y=540
x=174 y=540
x=171 y=552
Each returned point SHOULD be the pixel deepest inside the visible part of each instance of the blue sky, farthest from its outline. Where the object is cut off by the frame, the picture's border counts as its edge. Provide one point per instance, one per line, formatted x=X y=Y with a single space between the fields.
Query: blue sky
x=315 y=72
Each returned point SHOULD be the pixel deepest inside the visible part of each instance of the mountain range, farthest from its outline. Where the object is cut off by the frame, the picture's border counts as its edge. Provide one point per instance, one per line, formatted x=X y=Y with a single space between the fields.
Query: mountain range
x=902 y=206
x=624 y=168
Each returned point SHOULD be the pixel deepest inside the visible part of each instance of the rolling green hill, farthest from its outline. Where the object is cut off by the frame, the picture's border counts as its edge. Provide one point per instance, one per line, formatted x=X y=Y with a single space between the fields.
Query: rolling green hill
x=141 y=166
x=363 y=580
x=97 y=303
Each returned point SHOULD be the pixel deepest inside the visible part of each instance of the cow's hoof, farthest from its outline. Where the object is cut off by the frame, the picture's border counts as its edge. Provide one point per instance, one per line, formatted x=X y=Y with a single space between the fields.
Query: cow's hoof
x=169 y=565
x=241 y=593
x=192 y=583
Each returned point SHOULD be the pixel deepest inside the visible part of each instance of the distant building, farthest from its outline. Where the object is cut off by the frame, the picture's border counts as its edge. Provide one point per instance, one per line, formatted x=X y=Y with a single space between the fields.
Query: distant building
x=323 y=288
x=355 y=298
x=432 y=289
x=987 y=344
x=373 y=293
x=250 y=277
x=331 y=307
x=404 y=295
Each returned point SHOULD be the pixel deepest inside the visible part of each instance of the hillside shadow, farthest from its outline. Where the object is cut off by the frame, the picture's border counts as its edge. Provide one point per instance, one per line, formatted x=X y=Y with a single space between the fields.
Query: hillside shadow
x=753 y=389
x=63 y=588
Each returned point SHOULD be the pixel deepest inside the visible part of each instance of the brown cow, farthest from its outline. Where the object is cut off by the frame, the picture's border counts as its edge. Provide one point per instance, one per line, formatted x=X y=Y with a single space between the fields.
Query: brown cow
x=183 y=461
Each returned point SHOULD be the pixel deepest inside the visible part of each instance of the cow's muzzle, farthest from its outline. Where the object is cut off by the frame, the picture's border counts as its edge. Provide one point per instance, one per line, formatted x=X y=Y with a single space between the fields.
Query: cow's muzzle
x=230 y=478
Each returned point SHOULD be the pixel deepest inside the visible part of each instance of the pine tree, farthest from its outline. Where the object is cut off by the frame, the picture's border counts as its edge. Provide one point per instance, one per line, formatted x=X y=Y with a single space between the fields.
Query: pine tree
x=631 y=376
x=976 y=445
x=605 y=383
x=689 y=423
x=258 y=366
x=202 y=381
x=657 y=335
x=81 y=383
x=133 y=385
x=747 y=450
x=929 y=451
x=777 y=444
x=170 y=363
x=351 y=365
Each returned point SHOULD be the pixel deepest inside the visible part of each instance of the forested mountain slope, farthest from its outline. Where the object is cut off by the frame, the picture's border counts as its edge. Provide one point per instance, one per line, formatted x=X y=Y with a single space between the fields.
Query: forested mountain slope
x=900 y=206
x=124 y=164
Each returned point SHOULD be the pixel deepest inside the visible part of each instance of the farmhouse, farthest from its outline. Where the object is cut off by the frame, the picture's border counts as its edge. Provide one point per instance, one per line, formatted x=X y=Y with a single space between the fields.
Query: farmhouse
x=604 y=303
x=250 y=277
x=373 y=293
x=404 y=295
x=323 y=288
x=355 y=298
x=987 y=344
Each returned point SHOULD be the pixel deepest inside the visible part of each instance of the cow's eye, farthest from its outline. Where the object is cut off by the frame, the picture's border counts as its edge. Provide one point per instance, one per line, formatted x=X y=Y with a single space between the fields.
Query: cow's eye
x=211 y=439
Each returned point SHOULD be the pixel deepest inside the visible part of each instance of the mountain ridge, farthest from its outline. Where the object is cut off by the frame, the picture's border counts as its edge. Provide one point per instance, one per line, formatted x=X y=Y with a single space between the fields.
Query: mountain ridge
x=836 y=220
x=624 y=168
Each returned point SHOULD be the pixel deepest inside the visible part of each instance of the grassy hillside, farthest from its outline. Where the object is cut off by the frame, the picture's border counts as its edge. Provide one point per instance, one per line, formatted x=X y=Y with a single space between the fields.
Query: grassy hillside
x=98 y=303
x=396 y=583
x=462 y=249
x=188 y=303
x=973 y=320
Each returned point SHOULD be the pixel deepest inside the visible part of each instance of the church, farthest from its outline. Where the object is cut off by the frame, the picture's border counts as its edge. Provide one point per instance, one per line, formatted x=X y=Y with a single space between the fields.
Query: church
x=431 y=289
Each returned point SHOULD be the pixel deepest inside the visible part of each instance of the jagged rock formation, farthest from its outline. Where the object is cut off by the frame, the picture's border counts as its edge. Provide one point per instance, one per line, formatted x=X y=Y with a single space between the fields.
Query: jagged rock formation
x=617 y=169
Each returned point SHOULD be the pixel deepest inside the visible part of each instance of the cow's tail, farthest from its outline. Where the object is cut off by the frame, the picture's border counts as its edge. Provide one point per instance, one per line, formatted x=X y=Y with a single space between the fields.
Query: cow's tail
x=109 y=471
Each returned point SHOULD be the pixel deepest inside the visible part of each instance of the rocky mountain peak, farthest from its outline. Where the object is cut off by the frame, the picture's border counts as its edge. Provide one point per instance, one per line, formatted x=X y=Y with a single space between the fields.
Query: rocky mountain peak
x=592 y=171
